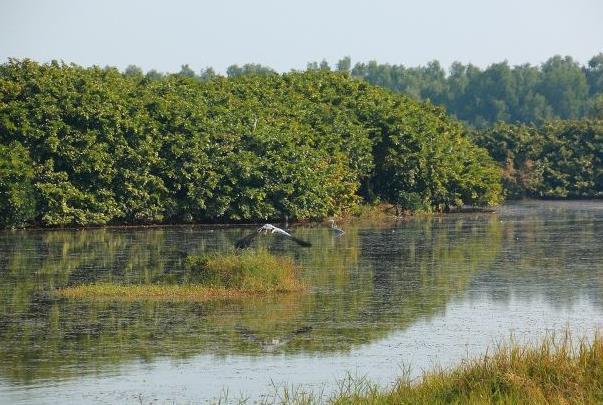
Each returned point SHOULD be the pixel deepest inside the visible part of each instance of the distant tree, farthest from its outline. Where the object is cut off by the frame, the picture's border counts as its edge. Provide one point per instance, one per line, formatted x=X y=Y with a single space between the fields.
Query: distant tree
x=248 y=69
x=153 y=75
x=323 y=65
x=311 y=66
x=596 y=110
x=234 y=71
x=134 y=72
x=564 y=86
x=559 y=88
x=186 y=71
x=594 y=74
x=433 y=82
x=207 y=74
x=344 y=65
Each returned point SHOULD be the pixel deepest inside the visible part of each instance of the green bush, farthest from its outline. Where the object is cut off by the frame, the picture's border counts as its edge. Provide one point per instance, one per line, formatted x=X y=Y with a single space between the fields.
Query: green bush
x=119 y=148
x=560 y=159
x=406 y=201
x=17 y=196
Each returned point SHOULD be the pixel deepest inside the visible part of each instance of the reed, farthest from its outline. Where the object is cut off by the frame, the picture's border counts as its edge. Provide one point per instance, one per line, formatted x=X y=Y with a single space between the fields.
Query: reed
x=250 y=270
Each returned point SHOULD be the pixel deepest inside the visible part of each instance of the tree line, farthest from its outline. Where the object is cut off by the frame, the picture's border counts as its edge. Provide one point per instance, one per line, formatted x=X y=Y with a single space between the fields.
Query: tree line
x=93 y=146
x=559 y=88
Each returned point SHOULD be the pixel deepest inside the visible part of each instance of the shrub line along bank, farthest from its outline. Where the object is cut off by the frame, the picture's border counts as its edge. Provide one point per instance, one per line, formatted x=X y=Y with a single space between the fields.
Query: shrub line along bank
x=90 y=146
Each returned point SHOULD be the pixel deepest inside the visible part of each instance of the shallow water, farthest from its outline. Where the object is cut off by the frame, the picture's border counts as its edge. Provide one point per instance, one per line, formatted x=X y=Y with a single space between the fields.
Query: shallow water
x=419 y=293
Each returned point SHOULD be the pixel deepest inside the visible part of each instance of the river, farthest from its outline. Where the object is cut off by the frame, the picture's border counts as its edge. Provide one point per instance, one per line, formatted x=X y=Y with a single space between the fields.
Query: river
x=386 y=297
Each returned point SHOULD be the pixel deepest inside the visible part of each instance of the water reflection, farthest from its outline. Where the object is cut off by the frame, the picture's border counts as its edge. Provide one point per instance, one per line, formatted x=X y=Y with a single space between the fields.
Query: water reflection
x=375 y=280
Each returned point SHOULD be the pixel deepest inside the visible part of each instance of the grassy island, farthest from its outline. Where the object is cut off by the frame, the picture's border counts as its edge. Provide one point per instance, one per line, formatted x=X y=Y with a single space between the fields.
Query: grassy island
x=225 y=275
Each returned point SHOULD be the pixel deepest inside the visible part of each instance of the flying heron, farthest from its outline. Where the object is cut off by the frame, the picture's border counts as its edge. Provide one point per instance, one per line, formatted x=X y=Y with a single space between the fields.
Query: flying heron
x=245 y=241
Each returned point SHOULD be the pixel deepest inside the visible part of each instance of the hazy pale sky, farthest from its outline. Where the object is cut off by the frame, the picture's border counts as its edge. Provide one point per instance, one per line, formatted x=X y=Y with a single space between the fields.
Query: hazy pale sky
x=287 y=34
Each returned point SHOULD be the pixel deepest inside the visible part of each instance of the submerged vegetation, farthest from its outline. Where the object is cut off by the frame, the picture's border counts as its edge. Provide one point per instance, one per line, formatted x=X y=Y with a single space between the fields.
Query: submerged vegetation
x=209 y=276
x=95 y=146
x=556 y=371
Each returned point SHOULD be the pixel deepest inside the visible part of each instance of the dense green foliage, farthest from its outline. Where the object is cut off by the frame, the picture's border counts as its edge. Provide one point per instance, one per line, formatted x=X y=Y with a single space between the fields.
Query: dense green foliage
x=17 y=200
x=110 y=147
x=556 y=160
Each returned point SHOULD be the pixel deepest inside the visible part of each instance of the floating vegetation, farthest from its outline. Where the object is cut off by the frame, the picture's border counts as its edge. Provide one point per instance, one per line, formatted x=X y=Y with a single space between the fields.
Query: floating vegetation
x=217 y=275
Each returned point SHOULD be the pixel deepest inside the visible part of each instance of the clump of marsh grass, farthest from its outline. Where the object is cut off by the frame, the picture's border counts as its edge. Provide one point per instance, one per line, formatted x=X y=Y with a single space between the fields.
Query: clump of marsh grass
x=217 y=275
x=249 y=270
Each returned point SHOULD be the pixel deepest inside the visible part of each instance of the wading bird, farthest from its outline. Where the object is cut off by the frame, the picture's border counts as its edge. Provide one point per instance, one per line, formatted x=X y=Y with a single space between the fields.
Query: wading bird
x=245 y=241
x=338 y=231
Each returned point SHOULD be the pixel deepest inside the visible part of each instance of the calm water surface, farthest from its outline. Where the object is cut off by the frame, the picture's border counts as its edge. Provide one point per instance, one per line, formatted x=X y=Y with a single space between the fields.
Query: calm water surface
x=419 y=293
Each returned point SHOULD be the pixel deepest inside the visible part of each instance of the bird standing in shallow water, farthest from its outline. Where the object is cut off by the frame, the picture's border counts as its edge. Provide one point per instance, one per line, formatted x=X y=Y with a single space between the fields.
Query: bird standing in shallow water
x=338 y=231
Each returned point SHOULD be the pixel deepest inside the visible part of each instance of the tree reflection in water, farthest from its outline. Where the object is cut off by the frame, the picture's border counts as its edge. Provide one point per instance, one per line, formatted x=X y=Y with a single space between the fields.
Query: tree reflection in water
x=376 y=279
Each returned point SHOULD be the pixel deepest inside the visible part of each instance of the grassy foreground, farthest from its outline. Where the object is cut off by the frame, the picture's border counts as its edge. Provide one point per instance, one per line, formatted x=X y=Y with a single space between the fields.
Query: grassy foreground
x=225 y=275
x=555 y=372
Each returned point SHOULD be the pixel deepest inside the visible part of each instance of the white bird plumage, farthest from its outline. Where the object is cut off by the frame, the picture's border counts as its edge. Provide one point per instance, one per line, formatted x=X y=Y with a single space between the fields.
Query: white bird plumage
x=338 y=231
x=245 y=241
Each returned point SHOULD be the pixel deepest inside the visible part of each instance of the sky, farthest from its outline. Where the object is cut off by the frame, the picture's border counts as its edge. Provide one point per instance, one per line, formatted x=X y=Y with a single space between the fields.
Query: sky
x=285 y=35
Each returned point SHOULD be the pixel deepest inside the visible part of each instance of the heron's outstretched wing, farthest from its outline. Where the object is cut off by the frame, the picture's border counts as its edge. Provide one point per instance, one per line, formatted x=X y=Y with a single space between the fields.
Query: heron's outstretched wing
x=245 y=241
x=288 y=235
x=300 y=241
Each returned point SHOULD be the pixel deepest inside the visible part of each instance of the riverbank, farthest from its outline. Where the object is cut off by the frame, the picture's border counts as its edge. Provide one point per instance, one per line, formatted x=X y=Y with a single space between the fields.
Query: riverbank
x=558 y=370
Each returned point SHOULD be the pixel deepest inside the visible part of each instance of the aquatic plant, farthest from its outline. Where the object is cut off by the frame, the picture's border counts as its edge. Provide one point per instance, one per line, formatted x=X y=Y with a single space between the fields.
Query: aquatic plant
x=249 y=270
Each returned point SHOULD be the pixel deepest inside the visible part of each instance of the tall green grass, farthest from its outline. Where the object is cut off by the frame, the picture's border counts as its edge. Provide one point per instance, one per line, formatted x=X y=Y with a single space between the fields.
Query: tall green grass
x=249 y=270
